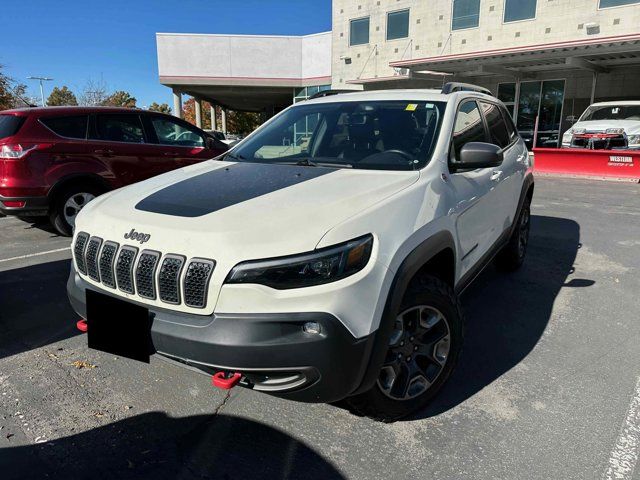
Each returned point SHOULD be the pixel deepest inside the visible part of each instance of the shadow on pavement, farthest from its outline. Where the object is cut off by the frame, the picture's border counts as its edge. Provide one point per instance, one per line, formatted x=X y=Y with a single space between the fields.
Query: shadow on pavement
x=34 y=309
x=506 y=314
x=153 y=445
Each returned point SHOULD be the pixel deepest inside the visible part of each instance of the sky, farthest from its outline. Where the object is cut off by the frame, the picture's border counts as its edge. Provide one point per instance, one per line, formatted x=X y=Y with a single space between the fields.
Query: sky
x=113 y=41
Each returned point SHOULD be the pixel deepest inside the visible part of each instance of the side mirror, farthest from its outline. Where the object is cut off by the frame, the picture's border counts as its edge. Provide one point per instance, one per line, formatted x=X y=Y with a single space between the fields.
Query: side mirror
x=215 y=144
x=479 y=155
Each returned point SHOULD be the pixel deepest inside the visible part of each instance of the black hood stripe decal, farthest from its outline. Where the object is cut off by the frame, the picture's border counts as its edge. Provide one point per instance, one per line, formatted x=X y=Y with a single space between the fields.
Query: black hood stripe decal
x=223 y=187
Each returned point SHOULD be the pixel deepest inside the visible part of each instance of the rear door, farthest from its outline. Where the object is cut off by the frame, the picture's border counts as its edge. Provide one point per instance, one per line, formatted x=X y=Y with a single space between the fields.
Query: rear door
x=508 y=176
x=476 y=220
x=119 y=141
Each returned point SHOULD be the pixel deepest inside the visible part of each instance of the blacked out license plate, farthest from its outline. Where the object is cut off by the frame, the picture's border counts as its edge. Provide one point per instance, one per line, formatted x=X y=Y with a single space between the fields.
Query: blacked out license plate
x=118 y=327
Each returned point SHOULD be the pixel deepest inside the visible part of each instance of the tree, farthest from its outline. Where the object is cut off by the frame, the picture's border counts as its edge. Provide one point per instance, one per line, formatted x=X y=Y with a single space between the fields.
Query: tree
x=189 y=113
x=94 y=93
x=61 y=96
x=242 y=123
x=12 y=95
x=120 y=98
x=162 y=108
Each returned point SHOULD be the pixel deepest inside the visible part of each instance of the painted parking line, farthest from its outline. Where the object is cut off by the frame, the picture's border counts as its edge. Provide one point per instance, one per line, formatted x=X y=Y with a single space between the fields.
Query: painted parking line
x=30 y=255
x=624 y=456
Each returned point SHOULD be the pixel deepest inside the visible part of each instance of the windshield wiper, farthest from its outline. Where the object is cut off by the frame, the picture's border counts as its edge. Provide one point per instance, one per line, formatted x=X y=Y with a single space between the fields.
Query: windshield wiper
x=305 y=162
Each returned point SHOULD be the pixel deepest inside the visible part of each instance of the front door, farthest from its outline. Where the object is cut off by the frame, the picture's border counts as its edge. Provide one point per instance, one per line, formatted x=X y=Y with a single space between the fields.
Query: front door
x=477 y=225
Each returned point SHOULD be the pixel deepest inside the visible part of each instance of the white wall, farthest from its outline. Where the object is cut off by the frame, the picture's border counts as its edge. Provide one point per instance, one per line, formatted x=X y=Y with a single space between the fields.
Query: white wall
x=244 y=56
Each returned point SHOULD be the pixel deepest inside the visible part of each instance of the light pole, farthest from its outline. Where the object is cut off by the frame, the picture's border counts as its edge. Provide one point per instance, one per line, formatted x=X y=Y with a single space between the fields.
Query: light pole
x=41 y=79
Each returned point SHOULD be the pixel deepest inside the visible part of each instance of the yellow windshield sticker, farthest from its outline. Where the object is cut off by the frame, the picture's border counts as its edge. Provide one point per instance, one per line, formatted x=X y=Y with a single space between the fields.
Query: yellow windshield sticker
x=411 y=107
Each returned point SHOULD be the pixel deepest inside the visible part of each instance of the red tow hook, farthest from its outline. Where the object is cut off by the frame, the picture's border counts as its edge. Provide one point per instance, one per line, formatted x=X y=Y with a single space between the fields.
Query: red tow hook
x=82 y=325
x=221 y=380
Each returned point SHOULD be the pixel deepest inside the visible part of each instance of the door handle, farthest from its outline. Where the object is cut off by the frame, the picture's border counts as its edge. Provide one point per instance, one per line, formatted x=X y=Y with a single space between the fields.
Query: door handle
x=170 y=154
x=521 y=157
x=495 y=176
x=106 y=153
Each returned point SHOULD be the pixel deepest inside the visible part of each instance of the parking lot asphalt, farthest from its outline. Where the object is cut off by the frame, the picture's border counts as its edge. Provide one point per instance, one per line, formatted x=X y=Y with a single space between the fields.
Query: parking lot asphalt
x=548 y=385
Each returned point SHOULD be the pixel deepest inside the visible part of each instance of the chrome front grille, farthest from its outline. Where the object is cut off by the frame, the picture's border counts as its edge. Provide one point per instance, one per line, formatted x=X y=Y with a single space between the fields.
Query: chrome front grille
x=151 y=275
x=196 y=282
x=107 y=258
x=146 y=274
x=124 y=268
x=91 y=258
x=169 y=279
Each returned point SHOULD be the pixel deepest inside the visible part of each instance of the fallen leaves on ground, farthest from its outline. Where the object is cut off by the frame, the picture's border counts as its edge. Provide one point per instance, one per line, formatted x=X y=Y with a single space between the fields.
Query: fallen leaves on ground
x=83 y=364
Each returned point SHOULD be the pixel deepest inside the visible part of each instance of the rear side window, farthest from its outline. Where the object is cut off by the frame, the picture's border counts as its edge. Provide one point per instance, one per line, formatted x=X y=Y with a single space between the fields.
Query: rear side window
x=498 y=132
x=513 y=133
x=119 y=128
x=71 y=127
x=468 y=127
x=174 y=133
x=10 y=124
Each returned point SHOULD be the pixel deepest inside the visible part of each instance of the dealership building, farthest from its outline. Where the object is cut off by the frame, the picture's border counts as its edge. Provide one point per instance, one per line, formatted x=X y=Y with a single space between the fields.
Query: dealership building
x=545 y=59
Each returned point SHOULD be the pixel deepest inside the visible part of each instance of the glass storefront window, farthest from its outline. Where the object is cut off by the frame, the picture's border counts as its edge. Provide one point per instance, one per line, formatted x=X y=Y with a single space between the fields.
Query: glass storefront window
x=507 y=95
x=398 y=24
x=542 y=99
x=515 y=10
x=359 y=31
x=616 y=3
x=466 y=14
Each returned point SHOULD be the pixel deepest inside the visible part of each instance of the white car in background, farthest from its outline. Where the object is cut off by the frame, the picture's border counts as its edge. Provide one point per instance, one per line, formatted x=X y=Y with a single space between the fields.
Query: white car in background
x=606 y=126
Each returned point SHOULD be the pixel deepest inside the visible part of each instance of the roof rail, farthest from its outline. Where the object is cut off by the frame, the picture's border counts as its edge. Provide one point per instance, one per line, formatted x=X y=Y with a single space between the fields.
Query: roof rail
x=451 y=87
x=327 y=93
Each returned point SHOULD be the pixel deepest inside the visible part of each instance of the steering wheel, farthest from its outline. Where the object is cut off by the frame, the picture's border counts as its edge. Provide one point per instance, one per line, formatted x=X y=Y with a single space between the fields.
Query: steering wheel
x=402 y=153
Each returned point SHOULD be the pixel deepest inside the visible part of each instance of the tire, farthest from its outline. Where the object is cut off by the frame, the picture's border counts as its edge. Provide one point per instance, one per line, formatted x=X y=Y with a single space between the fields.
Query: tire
x=429 y=331
x=68 y=203
x=512 y=255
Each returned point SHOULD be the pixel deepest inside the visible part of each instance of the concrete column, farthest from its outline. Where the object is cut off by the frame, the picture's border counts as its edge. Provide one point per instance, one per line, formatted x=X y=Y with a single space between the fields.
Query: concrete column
x=224 y=121
x=213 y=118
x=198 y=105
x=594 y=84
x=177 y=103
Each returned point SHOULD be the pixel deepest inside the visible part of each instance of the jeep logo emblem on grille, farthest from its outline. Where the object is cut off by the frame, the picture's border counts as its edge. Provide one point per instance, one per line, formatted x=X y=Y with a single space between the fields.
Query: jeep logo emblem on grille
x=140 y=237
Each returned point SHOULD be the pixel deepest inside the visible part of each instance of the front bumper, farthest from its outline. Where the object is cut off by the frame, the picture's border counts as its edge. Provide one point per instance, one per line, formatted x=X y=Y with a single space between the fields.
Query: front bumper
x=30 y=206
x=272 y=351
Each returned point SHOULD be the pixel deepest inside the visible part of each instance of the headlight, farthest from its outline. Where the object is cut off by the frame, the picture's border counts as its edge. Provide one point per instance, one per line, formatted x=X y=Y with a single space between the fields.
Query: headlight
x=616 y=131
x=633 y=139
x=566 y=138
x=307 y=269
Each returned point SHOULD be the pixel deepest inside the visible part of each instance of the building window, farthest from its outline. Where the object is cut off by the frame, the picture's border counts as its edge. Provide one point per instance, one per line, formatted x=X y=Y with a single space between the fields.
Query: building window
x=466 y=14
x=397 y=24
x=359 y=32
x=616 y=3
x=515 y=10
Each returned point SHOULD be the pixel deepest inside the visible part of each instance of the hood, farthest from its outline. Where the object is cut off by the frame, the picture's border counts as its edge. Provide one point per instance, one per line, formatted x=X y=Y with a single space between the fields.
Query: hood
x=631 y=127
x=238 y=211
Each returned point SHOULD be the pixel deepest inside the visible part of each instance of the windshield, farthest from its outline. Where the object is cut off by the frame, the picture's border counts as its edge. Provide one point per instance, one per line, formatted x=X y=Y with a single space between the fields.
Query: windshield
x=612 y=112
x=385 y=135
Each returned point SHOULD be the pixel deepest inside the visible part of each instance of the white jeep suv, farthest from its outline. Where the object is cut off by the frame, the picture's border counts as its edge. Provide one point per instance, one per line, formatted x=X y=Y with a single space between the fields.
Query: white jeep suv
x=321 y=258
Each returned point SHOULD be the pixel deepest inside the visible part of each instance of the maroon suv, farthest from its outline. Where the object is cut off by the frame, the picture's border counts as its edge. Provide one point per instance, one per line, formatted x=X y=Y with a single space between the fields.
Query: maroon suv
x=54 y=160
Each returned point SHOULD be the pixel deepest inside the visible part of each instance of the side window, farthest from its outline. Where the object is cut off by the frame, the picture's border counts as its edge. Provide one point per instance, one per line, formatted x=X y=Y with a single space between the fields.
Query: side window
x=71 y=127
x=511 y=128
x=119 y=128
x=468 y=127
x=498 y=133
x=176 y=134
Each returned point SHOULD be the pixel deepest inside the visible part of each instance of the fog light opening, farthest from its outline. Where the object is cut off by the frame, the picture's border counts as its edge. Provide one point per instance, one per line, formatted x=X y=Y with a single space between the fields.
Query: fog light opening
x=312 y=328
